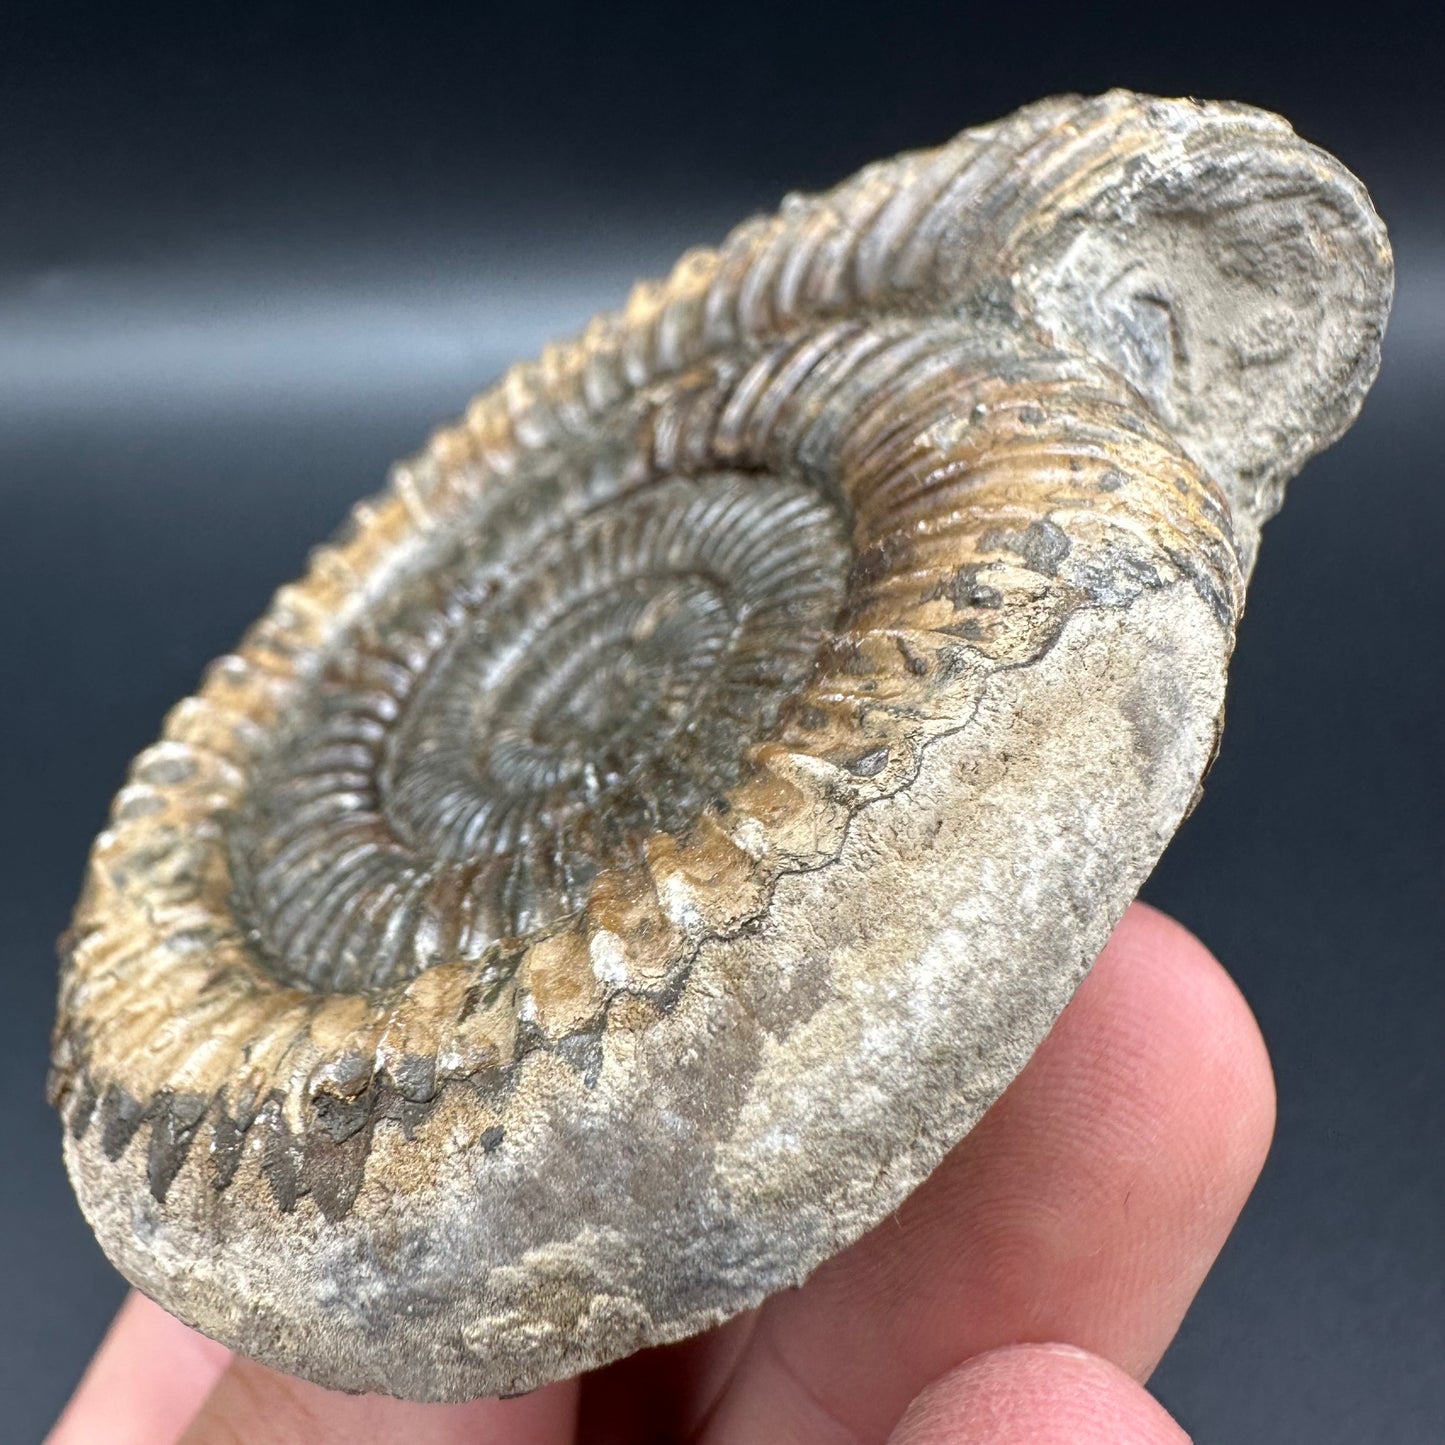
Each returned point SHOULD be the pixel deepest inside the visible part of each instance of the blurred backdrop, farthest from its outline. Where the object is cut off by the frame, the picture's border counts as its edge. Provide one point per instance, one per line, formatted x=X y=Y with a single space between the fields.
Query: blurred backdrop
x=250 y=255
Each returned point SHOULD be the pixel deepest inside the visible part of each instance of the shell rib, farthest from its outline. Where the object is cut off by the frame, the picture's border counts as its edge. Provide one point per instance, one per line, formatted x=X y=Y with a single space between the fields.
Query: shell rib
x=662 y=822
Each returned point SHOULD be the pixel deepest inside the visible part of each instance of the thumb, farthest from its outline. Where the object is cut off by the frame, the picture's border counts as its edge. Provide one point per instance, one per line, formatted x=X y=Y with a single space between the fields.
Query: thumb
x=1037 y=1395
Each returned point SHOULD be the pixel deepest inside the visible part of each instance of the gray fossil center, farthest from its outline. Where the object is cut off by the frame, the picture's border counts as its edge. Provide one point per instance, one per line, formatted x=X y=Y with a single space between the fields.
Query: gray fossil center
x=466 y=769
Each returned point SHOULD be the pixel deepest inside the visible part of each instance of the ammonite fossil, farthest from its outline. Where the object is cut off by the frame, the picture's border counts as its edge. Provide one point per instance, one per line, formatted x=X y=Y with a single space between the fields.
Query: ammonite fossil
x=660 y=824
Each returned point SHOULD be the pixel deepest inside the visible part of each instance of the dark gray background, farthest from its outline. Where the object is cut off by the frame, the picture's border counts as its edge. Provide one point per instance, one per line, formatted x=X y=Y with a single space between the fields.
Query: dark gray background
x=249 y=257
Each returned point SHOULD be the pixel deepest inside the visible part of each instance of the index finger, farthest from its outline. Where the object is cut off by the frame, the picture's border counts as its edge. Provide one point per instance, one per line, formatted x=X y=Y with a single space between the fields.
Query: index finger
x=147 y=1380
x=257 y=1405
x=154 y=1381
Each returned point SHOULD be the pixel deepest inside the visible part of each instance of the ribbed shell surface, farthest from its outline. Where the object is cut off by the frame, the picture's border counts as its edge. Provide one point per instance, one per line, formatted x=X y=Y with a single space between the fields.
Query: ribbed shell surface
x=661 y=822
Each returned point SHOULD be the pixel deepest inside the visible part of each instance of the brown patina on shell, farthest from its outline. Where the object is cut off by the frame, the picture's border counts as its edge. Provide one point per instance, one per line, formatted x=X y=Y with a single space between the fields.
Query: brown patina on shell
x=658 y=826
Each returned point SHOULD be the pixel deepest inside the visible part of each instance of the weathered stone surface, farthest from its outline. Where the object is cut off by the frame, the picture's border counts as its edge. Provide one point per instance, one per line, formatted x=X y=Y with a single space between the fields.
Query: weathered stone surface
x=663 y=822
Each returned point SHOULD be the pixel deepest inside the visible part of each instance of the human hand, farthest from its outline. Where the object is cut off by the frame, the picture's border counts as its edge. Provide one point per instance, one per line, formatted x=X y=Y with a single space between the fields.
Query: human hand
x=1021 y=1294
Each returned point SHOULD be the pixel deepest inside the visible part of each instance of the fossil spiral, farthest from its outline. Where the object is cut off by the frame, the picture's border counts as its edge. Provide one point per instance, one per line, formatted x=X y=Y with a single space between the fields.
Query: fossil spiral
x=658 y=826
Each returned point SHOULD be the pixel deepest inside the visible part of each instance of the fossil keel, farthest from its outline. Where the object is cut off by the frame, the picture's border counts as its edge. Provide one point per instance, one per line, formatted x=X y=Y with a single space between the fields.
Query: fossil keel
x=657 y=828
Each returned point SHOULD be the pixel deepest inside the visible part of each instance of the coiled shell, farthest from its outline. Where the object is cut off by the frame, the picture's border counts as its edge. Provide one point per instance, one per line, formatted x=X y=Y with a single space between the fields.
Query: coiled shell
x=667 y=817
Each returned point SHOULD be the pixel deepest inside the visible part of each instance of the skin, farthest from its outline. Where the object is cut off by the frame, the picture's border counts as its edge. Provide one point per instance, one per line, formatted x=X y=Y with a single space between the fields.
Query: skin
x=1024 y=1293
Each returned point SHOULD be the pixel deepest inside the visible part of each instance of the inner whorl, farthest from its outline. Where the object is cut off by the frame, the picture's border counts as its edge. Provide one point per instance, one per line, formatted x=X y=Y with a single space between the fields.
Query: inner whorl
x=495 y=734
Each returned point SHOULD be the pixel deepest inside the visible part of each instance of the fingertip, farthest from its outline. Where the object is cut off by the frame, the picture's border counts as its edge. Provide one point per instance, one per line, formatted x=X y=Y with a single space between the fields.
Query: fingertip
x=147 y=1380
x=1215 y=1070
x=170 y=1339
x=1043 y=1394
x=252 y=1403
x=1174 y=1095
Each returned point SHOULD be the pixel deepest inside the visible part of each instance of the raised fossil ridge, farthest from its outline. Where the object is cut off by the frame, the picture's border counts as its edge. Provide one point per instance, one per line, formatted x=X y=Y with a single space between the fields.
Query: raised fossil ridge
x=661 y=823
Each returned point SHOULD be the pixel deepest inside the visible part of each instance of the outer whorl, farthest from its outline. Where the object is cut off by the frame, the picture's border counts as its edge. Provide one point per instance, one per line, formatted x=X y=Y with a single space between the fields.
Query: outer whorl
x=663 y=821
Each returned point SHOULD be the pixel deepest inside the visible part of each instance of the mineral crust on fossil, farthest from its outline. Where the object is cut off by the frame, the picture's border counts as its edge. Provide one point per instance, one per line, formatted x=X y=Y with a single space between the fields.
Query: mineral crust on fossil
x=662 y=822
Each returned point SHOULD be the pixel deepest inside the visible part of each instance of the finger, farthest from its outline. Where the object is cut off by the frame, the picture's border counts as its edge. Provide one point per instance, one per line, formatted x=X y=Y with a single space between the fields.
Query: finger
x=1086 y=1207
x=145 y=1383
x=1037 y=1395
x=253 y=1404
